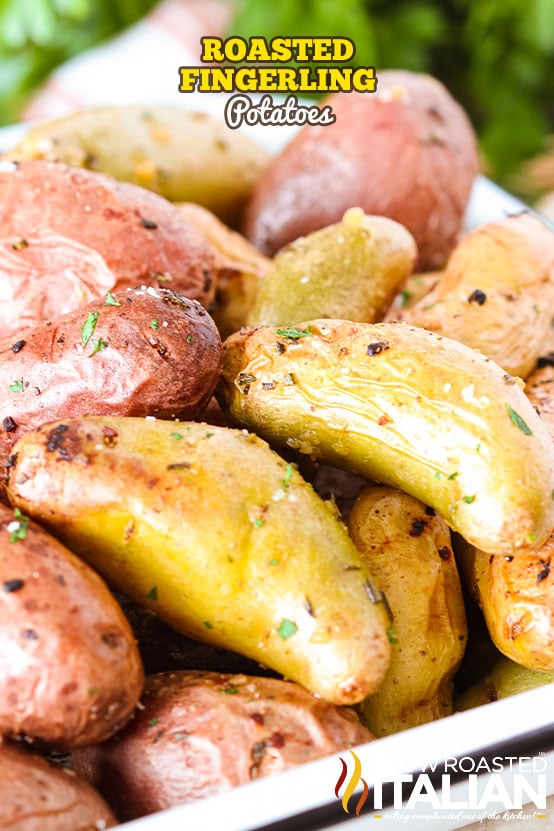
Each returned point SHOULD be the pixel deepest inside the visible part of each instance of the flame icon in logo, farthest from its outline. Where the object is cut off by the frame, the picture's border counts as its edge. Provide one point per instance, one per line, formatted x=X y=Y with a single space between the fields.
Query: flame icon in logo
x=352 y=784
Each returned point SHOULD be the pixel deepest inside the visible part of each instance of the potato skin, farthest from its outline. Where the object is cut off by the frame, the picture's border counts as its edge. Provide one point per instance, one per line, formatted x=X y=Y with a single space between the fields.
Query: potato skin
x=506 y=678
x=405 y=407
x=409 y=551
x=540 y=391
x=406 y=151
x=70 y=671
x=496 y=293
x=351 y=269
x=37 y=795
x=145 y=367
x=247 y=556
x=202 y=733
x=184 y=156
x=516 y=596
x=70 y=235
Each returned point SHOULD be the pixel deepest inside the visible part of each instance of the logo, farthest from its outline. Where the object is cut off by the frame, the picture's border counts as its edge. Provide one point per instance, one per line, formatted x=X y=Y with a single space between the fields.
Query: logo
x=479 y=784
x=256 y=65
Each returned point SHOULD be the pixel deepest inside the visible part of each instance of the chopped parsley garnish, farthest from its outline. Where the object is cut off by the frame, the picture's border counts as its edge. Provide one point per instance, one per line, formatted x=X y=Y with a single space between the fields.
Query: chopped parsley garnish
x=258 y=522
x=17 y=386
x=153 y=593
x=153 y=722
x=468 y=499
x=391 y=635
x=98 y=345
x=154 y=323
x=286 y=628
x=231 y=690
x=294 y=333
x=88 y=327
x=207 y=624
x=110 y=300
x=176 y=436
x=18 y=528
x=288 y=476
x=189 y=338
x=516 y=419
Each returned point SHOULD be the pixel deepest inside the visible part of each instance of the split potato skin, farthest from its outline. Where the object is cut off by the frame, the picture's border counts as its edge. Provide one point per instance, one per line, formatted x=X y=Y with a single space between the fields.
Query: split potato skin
x=150 y=352
x=202 y=733
x=404 y=407
x=496 y=293
x=69 y=235
x=407 y=151
x=409 y=551
x=184 y=156
x=351 y=269
x=216 y=533
x=70 y=670
x=516 y=596
x=37 y=795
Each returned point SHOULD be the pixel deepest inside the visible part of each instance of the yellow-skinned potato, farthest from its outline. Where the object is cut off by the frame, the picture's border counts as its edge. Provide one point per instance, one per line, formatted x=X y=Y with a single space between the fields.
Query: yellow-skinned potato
x=415 y=287
x=185 y=156
x=506 y=678
x=217 y=534
x=408 y=549
x=516 y=595
x=404 y=407
x=540 y=391
x=350 y=270
x=496 y=293
x=239 y=268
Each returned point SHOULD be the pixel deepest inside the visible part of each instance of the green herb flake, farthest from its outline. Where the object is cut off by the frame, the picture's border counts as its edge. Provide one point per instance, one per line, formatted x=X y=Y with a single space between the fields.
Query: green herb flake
x=180 y=737
x=288 y=476
x=258 y=522
x=391 y=635
x=18 y=528
x=231 y=690
x=98 y=345
x=453 y=475
x=532 y=536
x=273 y=562
x=516 y=419
x=153 y=593
x=17 y=386
x=478 y=448
x=207 y=624
x=110 y=300
x=405 y=297
x=189 y=338
x=88 y=327
x=469 y=499
x=286 y=628
x=293 y=333
x=437 y=475
x=177 y=436
x=154 y=324
x=153 y=722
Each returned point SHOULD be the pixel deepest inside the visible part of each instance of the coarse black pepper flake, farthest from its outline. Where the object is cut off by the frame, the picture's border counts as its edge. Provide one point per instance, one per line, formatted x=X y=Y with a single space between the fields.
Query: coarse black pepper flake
x=377 y=347
x=280 y=347
x=418 y=527
x=430 y=511
x=30 y=634
x=18 y=346
x=477 y=296
x=9 y=424
x=445 y=553
x=544 y=572
x=13 y=585
x=148 y=223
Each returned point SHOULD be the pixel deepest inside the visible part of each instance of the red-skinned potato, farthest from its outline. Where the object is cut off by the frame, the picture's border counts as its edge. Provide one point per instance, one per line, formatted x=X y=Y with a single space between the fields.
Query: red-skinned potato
x=69 y=235
x=406 y=151
x=202 y=733
x=37 y=795
x=138 y=352
x=70 y=671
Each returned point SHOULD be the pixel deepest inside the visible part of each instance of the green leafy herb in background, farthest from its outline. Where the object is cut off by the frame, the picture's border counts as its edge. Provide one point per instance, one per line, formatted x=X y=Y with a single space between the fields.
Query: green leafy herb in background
x=495 y=56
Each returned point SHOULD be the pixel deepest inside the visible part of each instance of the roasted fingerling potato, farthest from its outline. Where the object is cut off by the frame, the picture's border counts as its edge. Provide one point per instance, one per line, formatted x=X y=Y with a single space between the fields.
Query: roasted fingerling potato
x=137 y=352
x=351 y=269
x=69 y=235
x=409 y=551
x=496 y=293
x=202 y=733
x=219 y=535
x=38 y=795
x=184 y=156
x=506 y=678
x=404 y=407
x=70 y=670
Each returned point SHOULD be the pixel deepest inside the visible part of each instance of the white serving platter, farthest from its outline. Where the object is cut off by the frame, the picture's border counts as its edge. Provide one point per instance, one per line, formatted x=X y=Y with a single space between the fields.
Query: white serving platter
x=304 y=799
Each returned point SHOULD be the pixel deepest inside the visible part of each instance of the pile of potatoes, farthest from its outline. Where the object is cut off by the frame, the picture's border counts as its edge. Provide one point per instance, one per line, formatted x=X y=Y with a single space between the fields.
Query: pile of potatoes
x=272 y=452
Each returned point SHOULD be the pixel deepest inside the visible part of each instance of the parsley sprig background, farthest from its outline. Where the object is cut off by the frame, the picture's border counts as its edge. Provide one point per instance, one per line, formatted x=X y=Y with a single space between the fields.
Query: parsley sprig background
x=496 y=56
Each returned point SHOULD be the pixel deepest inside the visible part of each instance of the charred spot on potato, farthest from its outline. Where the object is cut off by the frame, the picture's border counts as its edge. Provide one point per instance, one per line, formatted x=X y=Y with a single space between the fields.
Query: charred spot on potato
x=418 y=527
x=9 y=424
x=14 y=585
x=377 y=347
x=477 y=296
x=445 y=553
x=149 y=224
x=30 y=634
x=544 y=572
x=111 y=639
